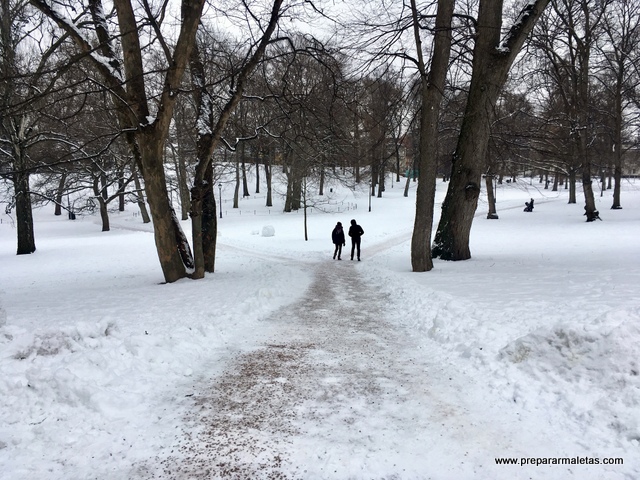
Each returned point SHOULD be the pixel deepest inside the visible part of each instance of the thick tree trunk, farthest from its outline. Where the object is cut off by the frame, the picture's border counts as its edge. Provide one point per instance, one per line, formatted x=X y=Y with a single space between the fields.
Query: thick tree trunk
x=24 y=213
x=432 y=87
x=204 y=223
x=589 y=199
x=174 y=252
x=296 y=190
x=572 y=187
x=209 y=222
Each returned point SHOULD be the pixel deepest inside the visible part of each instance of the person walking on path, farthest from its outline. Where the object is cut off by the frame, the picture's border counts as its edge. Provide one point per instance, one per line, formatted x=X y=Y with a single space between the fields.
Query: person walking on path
x=355 y=232
x=337 y=236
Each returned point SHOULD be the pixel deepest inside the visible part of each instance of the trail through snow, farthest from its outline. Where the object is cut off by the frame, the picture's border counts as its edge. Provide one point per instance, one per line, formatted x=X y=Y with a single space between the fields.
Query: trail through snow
x=337 y=373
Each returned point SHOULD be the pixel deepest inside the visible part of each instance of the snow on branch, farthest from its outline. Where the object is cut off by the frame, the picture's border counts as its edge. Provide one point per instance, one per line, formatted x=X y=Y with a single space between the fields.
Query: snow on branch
x=107 y=65
x=514 y=38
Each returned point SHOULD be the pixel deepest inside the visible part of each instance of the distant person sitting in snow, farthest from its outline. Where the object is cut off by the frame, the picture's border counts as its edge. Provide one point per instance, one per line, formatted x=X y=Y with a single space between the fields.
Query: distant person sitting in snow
x=337 y=236
x=355 y=232
x=528 y=206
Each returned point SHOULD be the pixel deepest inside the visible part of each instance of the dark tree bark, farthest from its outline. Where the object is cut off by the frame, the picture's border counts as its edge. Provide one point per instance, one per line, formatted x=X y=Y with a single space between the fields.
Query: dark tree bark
x=24 y=212
x=432 y=88
x=245 y=184
x=258 y=173
x=121 y=187
x=209 y=223
x=492 y=60
x=267 y=172
x=98 y=193
x=59 y=194
x=236 y=190
x=492 y=214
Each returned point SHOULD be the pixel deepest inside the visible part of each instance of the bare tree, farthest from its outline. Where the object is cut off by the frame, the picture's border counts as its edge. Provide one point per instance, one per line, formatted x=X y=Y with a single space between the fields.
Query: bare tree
x=129 y=83
x=211 y=126
x=571 y=30
x=620 y=53
x=492 y=60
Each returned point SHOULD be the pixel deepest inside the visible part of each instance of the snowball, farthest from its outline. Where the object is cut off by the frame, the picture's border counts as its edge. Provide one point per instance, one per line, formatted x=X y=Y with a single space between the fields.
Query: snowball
x=268 y=231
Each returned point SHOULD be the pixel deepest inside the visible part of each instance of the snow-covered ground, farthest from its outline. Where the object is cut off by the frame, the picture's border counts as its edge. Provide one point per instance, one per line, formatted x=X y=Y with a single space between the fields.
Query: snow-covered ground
x=529 y=350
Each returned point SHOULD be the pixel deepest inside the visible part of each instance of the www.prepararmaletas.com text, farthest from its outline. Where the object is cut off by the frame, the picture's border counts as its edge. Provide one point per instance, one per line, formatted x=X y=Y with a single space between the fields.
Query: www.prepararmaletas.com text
x=537 y=461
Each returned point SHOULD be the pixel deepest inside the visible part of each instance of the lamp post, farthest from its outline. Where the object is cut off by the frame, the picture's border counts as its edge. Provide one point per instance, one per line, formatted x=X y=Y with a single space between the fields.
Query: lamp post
x=220 y=191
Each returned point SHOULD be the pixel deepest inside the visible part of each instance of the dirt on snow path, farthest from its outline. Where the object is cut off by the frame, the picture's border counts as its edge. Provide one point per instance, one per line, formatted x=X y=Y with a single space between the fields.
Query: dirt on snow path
x=337 y=392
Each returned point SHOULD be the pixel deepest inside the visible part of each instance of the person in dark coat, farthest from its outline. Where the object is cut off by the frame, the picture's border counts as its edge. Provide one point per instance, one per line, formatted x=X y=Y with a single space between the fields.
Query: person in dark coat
x=337 y=236
x=355 y=232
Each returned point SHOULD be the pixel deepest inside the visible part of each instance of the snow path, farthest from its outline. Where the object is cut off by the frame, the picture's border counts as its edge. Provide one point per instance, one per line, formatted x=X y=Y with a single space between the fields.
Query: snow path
x=335 y=350
x=337 y=374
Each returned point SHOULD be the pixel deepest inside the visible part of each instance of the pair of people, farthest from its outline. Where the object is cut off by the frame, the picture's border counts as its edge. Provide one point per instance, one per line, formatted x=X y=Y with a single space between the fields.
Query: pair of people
x=355 y=232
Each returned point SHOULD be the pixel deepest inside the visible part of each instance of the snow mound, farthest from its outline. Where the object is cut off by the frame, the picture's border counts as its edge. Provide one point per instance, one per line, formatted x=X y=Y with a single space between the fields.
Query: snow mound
x=593 y=370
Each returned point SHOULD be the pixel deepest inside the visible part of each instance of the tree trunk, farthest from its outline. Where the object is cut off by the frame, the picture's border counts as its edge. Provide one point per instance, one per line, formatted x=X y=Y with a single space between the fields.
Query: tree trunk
x=589 y=199
x=617 y=154
x=267 y=172
x=296 y=191
x=571 y=180
x=121 y=187
x=245 y=185
x=183 y=187
x=59 y=194
x=103 y=183
x=258 y=173
x=102 y=203
x=304 y=205
x=356 y=140
x=491 y=197
x=432 y=87
x=140 y=198
x=236 y=190
x=24 y=212
x=209 y=222
x=174 y=252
